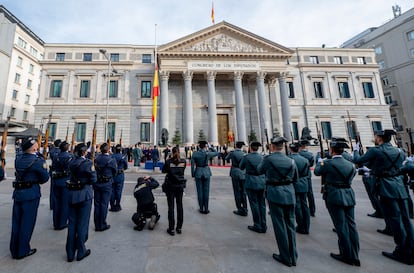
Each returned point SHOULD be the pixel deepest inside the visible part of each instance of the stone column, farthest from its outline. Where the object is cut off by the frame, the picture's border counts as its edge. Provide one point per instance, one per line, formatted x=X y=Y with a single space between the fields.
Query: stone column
x=164 y=76
x=263 y=105
x=212 y=110
x=188 y=128
x=240 y=119
x=284 y=102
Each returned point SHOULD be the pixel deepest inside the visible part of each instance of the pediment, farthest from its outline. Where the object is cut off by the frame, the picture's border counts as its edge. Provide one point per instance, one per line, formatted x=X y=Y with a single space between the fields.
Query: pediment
x=224 y=39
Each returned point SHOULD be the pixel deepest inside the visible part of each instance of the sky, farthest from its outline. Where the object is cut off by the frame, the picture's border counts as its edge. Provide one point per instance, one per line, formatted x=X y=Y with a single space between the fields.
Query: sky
x=291 y=23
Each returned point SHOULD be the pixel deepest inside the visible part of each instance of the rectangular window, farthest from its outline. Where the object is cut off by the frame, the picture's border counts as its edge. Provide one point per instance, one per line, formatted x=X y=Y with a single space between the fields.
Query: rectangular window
x=385 y=81
x=410 y=35
x=388 y=99
x=361 y=60
x=381 y=64
x=113 y=89
x=22 y=43
x=52 y=130
x=146 y=58
x=111 y=131
x=19 y=61
x=114 y=57
x=56 y=89
x=29 y=84
x=343 y=90
x=318 y=87
x=14 y=95
x=314 y=59
x=33 y=51
x=412 y=52
x=145 y=131
x=376 y=126
x=291 y=91
x=326 y=129
x=145 y=89
x=87 y=57
x=295 y=131
x=378 y=50
x=60 y=57
x=25 y=115
x=350 y=128
x=85 y=88
x=27 y=99
x=368 y=90
x=13 y=112
x=31 y=68
x=80 y=131
x=17 y=78
x=337 y=60
x=395 y=122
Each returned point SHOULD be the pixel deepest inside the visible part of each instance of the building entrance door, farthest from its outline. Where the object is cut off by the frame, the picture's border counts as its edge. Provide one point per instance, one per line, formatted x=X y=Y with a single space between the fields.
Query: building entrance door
x=222 y=128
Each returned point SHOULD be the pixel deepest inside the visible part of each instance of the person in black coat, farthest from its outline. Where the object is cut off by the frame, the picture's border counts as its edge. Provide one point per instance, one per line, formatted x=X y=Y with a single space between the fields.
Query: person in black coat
x=174 y=188
x=80 y=195
x=146 y=207
x=119 y=178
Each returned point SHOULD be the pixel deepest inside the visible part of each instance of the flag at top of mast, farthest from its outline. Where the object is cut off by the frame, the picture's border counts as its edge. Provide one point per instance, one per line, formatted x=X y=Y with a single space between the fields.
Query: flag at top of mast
x=155 y=93
x=212 y=12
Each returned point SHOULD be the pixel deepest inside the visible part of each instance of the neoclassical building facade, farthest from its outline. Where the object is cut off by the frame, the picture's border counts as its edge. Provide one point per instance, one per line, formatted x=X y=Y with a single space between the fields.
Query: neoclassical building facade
x=221 y=79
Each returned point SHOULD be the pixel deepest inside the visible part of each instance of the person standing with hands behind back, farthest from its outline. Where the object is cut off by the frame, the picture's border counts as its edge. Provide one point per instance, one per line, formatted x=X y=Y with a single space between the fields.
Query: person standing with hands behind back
x=174 y=188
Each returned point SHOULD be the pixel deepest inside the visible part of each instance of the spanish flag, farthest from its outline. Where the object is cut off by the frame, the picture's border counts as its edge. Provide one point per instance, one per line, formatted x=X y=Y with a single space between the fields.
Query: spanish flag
x=155 y=94
x=212 y=13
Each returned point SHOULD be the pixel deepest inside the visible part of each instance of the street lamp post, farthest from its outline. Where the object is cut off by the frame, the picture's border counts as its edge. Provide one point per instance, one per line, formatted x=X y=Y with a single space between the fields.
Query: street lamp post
x=103 y=51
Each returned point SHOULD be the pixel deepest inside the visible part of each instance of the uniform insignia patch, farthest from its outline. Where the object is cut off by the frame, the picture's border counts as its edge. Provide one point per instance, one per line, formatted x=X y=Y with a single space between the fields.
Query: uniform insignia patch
x=45 y=165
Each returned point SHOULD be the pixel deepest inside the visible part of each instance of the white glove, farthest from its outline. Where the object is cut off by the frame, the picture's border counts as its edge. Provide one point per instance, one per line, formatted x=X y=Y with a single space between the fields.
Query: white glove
x=364 y=169
x=410 y=158
x=320 y=160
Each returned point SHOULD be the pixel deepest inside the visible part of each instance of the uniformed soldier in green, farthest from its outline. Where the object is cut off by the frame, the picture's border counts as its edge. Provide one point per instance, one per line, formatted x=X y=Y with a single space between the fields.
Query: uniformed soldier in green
x=386 y=161
x=301 y=190
x=255 y=187
x=281 y=173
x=303 y=151
x=238 y=178
x=340 y=200
x=202 y=173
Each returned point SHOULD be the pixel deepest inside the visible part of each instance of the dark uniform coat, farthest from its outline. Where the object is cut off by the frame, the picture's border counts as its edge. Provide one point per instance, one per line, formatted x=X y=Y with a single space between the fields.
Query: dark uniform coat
x=31 y=171
x=237 y=178
x=202 y=173
x=119 y=178
x=106 y=169
x=281 y=172
x=340 y=201
x=311 y=198
x=83 y=175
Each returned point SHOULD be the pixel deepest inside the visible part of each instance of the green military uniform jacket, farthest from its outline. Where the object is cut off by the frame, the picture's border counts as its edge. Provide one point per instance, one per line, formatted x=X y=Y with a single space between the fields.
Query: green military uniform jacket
x=277 y=167
x=236 y=157
x=338 y=173
x=303 y=171
x=385 y=161
x=199 y=163
x=254 y=180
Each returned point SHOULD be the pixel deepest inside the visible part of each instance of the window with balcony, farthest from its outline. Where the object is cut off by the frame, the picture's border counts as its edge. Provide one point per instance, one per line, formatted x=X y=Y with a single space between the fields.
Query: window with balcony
x=145 y=89
x=56 y=89
x=368 y=90
x=343 y=90
x=146 y=58
x=60 y=57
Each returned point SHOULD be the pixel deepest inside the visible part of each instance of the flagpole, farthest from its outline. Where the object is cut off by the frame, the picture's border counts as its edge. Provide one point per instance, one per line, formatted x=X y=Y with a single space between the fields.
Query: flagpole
x=155 y=98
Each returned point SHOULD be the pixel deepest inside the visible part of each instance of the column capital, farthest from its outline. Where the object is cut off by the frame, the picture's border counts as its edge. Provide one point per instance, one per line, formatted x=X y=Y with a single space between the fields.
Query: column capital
x=165 y=75
x=211 y=75
x=272 y=81
x=238 y=75
x=283 y=75
x=188 y=75
x=261 y=75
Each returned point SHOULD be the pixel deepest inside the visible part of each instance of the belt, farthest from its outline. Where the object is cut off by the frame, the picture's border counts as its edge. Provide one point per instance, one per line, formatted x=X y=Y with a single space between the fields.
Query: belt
x=60 y=174
x=23 y=185
x=340 y=186
x=278 y=183
x=120 y=171
x=104 y=180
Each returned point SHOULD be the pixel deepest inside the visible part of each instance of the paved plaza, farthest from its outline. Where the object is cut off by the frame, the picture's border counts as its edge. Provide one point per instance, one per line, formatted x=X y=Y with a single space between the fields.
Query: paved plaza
x=218 y=242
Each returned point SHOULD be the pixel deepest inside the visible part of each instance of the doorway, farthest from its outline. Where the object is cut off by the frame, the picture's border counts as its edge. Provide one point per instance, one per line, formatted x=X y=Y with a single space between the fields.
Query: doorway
x=222 y=128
